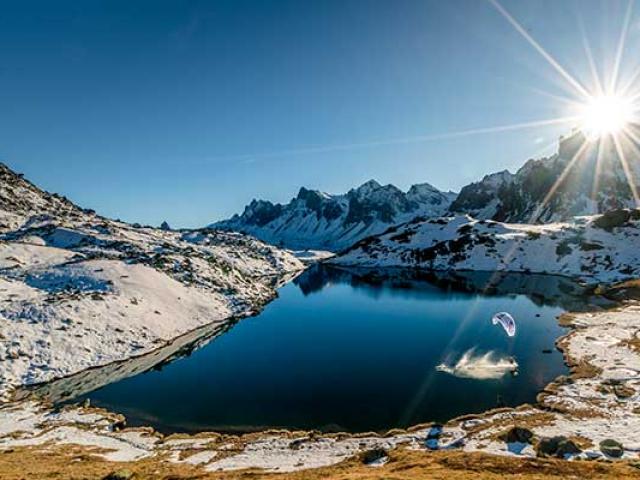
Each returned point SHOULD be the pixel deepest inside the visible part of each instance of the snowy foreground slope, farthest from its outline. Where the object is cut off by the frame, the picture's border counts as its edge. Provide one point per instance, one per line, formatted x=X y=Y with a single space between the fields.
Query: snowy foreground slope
x=318 y=220
x=78 y=290
x=601 y=248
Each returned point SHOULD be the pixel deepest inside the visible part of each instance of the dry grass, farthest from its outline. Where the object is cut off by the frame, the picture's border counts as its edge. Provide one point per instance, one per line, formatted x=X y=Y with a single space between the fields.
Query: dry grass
x=77 y=463
x=501 y=425
x=566 y=319
x=624 y=291
x=633 y=343
x=579 y=368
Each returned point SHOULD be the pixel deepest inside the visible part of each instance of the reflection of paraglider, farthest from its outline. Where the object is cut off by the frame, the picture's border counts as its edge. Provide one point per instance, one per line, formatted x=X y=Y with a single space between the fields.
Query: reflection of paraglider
x=507 y=322
x=487 y=366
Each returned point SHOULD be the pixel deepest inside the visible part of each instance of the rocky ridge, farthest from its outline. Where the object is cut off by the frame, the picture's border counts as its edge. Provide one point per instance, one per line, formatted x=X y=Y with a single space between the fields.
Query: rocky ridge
x=317 y=220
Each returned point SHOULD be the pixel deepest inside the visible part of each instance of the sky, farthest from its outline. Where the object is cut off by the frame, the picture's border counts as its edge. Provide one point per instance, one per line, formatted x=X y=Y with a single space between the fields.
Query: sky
x=186 y=110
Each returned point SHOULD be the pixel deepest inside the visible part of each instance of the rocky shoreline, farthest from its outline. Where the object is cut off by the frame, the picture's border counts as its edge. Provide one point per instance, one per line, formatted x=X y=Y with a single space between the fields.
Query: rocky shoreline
x=590 y=414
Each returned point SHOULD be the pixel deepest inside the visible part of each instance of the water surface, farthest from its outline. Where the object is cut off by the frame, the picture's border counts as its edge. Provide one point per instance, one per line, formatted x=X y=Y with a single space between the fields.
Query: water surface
x=357 y=351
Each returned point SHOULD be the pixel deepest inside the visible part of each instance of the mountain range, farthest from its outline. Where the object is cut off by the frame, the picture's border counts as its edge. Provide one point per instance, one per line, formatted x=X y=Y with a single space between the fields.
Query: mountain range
x=318 y=220
x=585 y=177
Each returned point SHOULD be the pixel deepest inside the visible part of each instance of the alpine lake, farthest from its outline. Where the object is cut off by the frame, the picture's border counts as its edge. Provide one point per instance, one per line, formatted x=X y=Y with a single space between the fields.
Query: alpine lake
x=347 y=350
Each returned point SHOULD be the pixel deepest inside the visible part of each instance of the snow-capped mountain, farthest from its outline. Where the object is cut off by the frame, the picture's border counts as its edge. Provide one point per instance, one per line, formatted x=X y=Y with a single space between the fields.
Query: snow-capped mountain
x=598 y=248
x=85 y=290
x=317 y=220
x=585 y=177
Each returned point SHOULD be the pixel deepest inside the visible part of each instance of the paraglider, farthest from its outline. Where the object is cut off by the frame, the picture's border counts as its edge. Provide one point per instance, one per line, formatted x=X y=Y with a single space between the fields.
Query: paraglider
x=507 y=322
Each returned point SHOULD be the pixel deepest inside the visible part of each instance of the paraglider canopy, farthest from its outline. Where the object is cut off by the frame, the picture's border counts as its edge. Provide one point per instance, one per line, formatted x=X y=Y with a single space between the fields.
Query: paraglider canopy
x=507 y=322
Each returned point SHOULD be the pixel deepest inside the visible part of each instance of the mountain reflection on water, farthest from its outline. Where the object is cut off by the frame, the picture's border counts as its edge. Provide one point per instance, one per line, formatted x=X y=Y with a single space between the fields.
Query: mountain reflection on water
x=547 y=290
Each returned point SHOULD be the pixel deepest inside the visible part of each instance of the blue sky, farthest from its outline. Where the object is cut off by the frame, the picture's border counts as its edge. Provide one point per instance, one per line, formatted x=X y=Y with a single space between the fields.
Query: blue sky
x=186 y=110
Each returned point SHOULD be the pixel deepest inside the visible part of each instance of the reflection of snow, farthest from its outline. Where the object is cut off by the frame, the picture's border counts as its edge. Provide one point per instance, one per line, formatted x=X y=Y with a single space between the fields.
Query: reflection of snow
x=487 y=366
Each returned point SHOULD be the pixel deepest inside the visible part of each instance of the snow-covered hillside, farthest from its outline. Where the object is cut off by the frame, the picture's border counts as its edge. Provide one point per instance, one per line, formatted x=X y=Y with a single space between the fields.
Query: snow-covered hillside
x=589 y=178
x=20 y=200
x=317 y=220
x=599 y=248
x=78 y=290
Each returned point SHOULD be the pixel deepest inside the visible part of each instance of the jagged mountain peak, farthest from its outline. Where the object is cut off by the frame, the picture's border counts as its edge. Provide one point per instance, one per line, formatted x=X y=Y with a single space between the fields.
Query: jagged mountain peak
x=422 y=188
x=427 y=193
x=310 y=194
x=369 y=185
x=259 y=212
x=497 y=178
x=583 y=177
x=314 y=219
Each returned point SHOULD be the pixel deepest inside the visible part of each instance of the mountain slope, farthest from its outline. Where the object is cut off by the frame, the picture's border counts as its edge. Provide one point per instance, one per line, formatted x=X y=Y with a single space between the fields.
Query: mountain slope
x=599 y=248
x=585 y=178
x=21 y=200
x=81 y=290
x=317 y=220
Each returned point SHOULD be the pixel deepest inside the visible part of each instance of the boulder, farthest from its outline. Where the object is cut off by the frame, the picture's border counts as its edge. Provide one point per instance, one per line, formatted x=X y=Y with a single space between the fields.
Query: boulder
x=612 y=219
x=370 y=456
x=567 y=447
x=559 y=446
x=120 y=475
x=517 y=434
x=611 y=448
x=623 y=391
x=547 y=447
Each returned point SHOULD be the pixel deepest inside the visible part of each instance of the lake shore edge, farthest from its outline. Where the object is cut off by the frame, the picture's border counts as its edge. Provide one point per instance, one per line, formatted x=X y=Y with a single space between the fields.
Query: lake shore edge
x=577 y=407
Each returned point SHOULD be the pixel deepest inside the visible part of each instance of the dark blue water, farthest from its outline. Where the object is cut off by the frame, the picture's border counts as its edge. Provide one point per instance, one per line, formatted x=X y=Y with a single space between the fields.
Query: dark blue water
x=356 y=352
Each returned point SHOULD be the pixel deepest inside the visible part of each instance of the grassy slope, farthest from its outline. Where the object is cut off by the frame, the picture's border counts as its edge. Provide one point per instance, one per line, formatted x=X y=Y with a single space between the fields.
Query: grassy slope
x=75 y=463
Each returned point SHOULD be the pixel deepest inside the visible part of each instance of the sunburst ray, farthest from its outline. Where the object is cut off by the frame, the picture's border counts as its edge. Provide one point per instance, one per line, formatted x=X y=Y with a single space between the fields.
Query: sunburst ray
x=599 y=88
x=596 y=176
x=620 y=49
x=546 y=55
x=568 y=120
x=559 y=181
x=626 y=169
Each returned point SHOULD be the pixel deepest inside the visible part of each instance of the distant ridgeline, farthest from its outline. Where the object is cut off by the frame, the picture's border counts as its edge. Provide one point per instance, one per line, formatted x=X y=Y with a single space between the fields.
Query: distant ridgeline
x=318 y=220
x=584 y=177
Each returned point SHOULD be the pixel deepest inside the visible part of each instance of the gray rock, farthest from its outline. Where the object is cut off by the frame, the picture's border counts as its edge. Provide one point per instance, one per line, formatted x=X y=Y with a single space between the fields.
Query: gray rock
x=613 y=219
x=517 y=434
x=373 y=455
x=547 y=447
x=611 y=448
x=556 y=447
x=120 y=475
x=567 y=447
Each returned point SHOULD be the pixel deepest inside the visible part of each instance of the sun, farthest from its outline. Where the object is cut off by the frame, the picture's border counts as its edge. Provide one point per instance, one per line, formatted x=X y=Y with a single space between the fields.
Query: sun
x=605 y=115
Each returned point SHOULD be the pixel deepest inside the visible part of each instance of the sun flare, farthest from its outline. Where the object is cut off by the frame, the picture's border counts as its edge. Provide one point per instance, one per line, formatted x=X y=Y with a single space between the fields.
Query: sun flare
x=606 y=115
